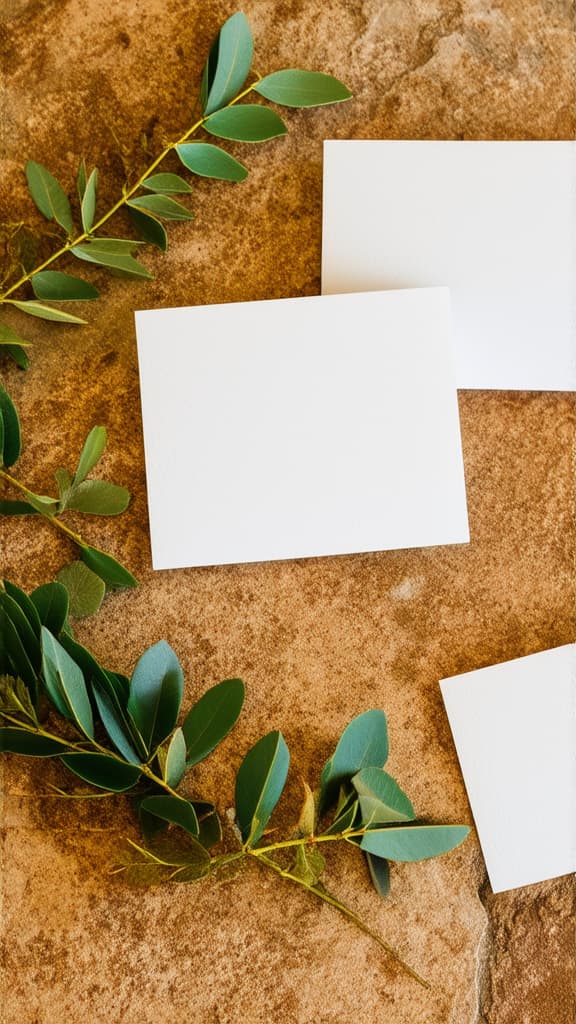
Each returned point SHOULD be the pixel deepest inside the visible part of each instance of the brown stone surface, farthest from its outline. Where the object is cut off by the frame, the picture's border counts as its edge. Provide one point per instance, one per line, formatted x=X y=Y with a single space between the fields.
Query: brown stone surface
x=317 y=640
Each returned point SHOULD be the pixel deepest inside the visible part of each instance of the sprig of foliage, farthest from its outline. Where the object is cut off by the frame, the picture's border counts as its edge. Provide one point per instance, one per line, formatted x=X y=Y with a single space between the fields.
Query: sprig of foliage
x=85 y=580
x=150 y=199
x=122 y=735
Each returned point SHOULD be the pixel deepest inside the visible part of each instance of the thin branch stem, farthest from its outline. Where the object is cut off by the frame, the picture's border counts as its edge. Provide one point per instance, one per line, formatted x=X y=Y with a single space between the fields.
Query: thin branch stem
x=126 y=196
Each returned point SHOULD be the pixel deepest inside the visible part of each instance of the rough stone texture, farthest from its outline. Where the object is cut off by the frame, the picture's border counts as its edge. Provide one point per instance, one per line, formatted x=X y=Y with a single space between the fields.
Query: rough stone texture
x=317 y=640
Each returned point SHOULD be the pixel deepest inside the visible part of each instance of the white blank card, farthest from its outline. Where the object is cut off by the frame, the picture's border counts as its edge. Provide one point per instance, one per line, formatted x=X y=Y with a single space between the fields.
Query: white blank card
x=514 y=726
x=493 y=221
x=298 y=427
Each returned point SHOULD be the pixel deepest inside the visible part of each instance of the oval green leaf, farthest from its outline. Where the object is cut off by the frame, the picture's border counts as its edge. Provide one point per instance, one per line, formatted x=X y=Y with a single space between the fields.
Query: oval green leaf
x=85 y=589
x=149 y=228
x=29 y=636
x=210 y=161
x=92 y=450
x=259 y=785
x=212 y=718
x=161 y=206
x=380 y=797
x=20 y=741
x=103 y=771
x=9 y=337
x=49 y=195
x=363 y=744
x=413 y=842
x=98 y=497
x=169 y=183
x=113 y=253
x=156 y=690
x=208 y=822
x=228 y=63
x=293 y=88
x=175 y=760
x=51 y=603
x=53 y=284
x=14 y=653
x=107 y=568
x=11 y=438
x=88 y=207
x=246 y=123
x=174 y=810
x=27 y=606
x=114 y=720
x=33 y=308
x=65 y=681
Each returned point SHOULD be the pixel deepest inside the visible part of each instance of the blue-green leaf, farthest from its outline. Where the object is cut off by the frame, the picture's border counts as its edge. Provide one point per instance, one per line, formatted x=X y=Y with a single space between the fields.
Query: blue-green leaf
x=175 y=759
x=11 y=438
x=20 y=741
x=228 y=64
x=379 y=873
x=94 y=445
x=210 y=161
x=174 y=810
x=107 y=568
x=114 y=720
x=246 y=123
x=27 y=606
x=168 y=183
x=161 y=206
x=380 y=797
x=103 y=770
x=212 y=718
x=88 y=208
x=65 y=683
x=363 y=744
x=149 y=228
x=51 y=603
x=49 y=195
x=259 y=785
x=12 y=649
x=28 y=635
x=293 y=88
x=156 y=690
x=59 y=287
x=413 y=842
x=113 y=253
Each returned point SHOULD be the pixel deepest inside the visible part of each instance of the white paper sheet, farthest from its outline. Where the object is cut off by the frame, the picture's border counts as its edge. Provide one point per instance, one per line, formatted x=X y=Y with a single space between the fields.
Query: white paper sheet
x=514 y=726
x=298 y=427
x=494 y=221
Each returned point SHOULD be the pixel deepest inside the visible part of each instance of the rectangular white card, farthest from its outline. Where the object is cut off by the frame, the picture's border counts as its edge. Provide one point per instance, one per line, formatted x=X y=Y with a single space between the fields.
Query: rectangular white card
x=514 y=726
x=493 y=221
x=298 y=427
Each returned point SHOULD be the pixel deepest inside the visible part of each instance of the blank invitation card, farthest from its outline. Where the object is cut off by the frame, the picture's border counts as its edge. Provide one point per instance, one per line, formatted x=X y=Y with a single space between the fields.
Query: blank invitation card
x=493 y=221
x=514 y=726
x=299 y=427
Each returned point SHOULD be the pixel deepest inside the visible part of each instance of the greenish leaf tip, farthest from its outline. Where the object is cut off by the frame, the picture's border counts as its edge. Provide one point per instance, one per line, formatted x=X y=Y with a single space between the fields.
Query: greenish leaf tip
x=156 y=691
x=294 y=88
x=246 y=123
x=228 y=63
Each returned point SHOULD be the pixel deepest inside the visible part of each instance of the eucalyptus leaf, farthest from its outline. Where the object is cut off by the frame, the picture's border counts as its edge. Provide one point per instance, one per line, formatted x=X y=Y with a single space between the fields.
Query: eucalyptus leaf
x=53 y=284
x=210 y=829
x=379 y=873
x=293 y=88
x=363 y=744
x=228 y=64
x=413 y=842
x=103 y=771
x=10 y=337
x=28 y=635
x=85 y=589
x=113 y=253
x=17 y=353
x=81 y=179
x=259 y=784
x=98 y=497
x=210 y=161
x=11 y=439
x=212 y=718
x=175 y=760
x=115 y=720
x=173 y=809
x=107 y=568
x=156 y=690
x=246 y=123
x=21 y=741
x=65 y=683
x=33 y=308
x=51 y=603
x=161 y=206
x=14 y=652
x=88 y=204
x=49 y=195
x=380 y=797
x=27 y=606
x=94 y=445
x=43 y=503
x=169 y=183
x=149 y=228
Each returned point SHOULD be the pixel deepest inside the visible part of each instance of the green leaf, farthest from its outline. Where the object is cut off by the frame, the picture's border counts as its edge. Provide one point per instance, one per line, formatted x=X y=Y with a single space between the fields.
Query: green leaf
x=307 y=821
x=175 y=761
x=11 y=443
x=228 y=64
x=94 y=445
x=43 y=503
x=64 y=482
x=346 y=818
x=51 y=603
x=175 y=848
x=156 y=690
x=16 y=508
x=293 y=88
x=172 y=809
x=15 y=700
x=209 y=823
x=103 y=771
x=46 y=312
x=17 y=353
x=149 y=228
x=246 y=123
x=98 y=497
x=13 y=650
x=49 y=195
x=210 y=161
x=259 y=785
x=85 y=589
x=9 y=337
x=379 y=873
x=413 y=842
x=65 y=682
x=113 y=253
x=52 y=284
x=115 y=720
x=107 y=568
x=81 y=179
x=27 y=606
x=212 y=718
x=363 y=744
x=170 y=183
x=161 y=206
x=28 y=635
x=88 y=206
x=380 y=797
x=309 y=864
x=20 y=741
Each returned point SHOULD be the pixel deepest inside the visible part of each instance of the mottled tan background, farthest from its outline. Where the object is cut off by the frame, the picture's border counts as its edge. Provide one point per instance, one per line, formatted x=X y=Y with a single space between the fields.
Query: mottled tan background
x=317 y=641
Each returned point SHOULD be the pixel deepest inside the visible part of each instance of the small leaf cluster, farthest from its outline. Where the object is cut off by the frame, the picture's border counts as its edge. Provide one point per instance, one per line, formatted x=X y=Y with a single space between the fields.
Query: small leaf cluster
x=150 y=202
x=87 y=579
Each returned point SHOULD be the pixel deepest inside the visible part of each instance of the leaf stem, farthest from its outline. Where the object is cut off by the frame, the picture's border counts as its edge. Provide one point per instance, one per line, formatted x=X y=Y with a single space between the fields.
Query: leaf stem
x=46 y=515
x=126 y=196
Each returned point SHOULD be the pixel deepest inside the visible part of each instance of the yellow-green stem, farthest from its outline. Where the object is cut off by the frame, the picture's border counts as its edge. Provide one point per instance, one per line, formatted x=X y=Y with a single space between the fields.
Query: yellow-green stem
x=45 y=515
